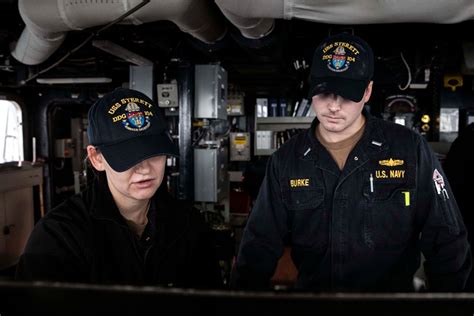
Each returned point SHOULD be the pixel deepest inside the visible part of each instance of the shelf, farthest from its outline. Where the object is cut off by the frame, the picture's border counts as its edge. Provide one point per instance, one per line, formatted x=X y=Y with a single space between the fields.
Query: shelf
x=264 y=152
x=285 y=120
x=276 y=124
x=282 y=123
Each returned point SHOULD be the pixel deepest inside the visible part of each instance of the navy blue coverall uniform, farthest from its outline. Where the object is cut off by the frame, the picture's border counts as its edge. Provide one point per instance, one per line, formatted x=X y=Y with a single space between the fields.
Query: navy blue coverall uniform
x=359 y=229
x=86 y=240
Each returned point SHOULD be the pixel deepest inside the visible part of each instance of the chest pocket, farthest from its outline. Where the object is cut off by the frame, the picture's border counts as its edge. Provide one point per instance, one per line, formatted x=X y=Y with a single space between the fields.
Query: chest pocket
x=301 y=193
x=308 y=217
x=388 y=198
x=302 y=199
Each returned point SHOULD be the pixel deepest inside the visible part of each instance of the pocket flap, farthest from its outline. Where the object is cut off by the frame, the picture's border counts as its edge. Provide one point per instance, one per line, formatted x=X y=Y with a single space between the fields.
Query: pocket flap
x=302 y=193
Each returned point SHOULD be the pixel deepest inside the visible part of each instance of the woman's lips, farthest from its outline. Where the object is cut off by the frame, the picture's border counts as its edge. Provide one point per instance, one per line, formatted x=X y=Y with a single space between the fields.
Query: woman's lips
x=144 y=183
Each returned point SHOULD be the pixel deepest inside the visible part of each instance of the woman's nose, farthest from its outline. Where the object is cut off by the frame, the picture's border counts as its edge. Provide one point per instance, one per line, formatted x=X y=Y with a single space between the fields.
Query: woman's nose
x=142 y=166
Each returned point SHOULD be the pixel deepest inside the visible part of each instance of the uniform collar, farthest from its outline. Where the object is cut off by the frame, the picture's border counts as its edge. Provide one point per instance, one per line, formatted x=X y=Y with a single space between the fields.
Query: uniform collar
x=102 y=202
x=103 y=205
x=167 y=215
x=372 y=142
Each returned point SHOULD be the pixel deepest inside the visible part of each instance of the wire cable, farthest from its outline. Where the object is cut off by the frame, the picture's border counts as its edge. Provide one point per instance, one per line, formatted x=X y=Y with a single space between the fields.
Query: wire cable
x=409 y=73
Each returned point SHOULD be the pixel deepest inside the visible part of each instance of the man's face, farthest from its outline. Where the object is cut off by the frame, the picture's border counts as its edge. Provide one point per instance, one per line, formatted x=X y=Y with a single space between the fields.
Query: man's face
x=338 y=115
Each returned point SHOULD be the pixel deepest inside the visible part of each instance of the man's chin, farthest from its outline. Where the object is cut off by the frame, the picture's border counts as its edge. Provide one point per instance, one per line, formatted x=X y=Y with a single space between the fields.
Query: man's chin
x=333 y=128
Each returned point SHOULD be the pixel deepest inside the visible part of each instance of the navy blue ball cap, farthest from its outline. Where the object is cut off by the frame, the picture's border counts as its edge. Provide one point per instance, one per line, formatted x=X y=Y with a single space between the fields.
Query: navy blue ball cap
x=128 y=127
x=343 y=64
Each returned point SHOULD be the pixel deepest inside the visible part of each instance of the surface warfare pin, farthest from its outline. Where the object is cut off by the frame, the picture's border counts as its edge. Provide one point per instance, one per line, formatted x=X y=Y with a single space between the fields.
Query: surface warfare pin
x=439 y=184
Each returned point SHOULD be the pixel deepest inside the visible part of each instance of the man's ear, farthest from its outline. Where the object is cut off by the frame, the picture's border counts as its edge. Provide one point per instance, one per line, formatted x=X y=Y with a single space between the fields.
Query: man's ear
x=96 y=158
x=368 y=91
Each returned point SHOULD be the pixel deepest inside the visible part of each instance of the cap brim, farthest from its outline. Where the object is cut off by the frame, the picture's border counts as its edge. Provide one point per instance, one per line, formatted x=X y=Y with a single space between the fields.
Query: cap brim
x=124 y=155
x=347 y=88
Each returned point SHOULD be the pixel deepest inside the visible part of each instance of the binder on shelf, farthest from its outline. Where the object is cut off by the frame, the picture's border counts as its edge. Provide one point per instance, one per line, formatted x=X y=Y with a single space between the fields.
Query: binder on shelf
x=279 y=140
x=262 y=107
x=280 y=137
x=273 y=109
x=310 y=111
x=283 y=107
x=306 y=108
x=289 y=107
x=264 y=139
x=302 y=109
x=295 y=109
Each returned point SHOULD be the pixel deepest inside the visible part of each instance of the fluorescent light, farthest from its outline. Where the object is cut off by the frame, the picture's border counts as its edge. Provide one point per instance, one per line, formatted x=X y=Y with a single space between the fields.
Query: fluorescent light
x=121 y=52
x=74 y=80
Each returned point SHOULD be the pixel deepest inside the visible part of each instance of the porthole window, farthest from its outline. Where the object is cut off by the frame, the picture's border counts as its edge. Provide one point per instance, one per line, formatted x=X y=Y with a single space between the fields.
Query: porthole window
x=11 y=132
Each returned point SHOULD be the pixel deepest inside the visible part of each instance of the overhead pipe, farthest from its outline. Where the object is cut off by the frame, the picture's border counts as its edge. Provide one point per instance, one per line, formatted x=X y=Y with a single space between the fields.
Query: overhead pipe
x=255 y=18
x=379 y=11
x=48 y=23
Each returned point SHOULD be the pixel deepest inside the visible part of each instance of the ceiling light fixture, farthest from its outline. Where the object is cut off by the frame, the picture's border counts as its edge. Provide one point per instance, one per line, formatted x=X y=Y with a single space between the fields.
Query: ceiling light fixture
x=74 y=80
x=121 y=52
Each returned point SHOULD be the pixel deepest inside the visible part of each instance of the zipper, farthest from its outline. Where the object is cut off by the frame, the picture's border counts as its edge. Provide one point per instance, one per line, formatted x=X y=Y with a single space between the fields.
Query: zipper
x=131 y=238
x=145 y=256
x=332 y=259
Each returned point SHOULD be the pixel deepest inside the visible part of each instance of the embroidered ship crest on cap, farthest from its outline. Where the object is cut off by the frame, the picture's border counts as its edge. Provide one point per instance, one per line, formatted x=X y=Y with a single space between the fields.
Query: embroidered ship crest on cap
x=338 y=61
x=136 y=121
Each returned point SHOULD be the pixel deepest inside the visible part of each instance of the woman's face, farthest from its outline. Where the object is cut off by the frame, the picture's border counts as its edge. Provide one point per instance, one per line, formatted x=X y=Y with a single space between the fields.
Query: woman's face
x=140 y=182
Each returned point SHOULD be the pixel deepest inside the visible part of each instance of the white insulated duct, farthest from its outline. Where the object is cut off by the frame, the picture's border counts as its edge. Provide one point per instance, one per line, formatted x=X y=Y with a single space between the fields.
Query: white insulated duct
x=254 y=18
x=379 y=11
x=47 y=21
